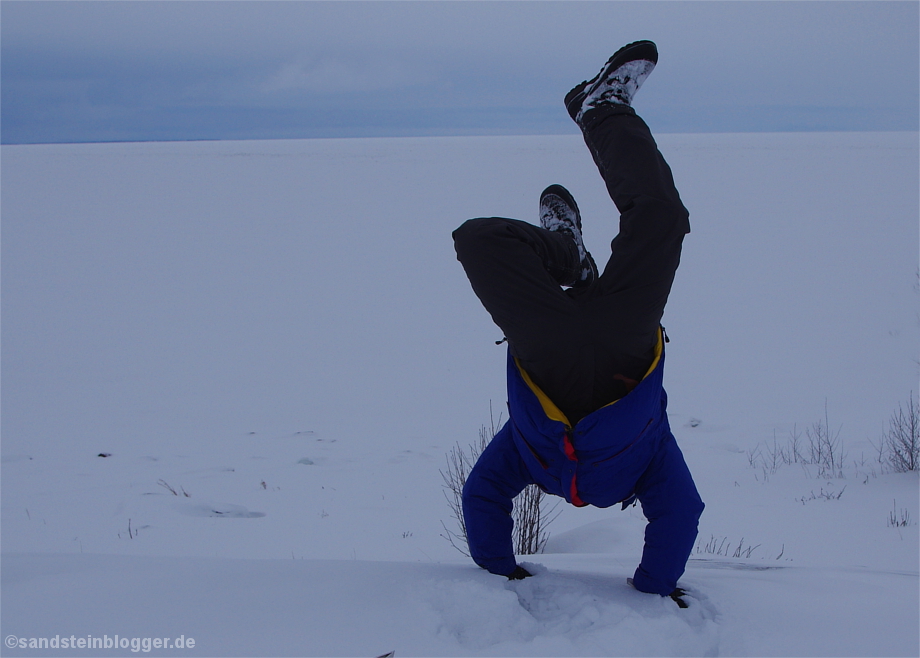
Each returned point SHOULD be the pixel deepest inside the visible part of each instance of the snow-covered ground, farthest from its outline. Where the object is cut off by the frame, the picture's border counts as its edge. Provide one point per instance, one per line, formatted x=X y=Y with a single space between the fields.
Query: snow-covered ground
x=275 y=347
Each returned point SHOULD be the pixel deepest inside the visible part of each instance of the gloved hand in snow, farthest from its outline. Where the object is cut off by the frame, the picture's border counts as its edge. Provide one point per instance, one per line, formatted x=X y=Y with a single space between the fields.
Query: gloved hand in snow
x=519 y=573
x=676 y=596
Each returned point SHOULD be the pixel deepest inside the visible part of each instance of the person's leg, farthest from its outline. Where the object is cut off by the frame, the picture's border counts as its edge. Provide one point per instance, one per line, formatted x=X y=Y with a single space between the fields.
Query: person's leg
x=517 y=270
x=653 y=221
x=623 y=309
x=588 y=346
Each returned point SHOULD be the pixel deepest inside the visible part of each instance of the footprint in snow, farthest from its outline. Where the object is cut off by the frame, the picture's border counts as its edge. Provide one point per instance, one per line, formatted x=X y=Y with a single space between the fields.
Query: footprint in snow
x=9 y=459
x=217 y=510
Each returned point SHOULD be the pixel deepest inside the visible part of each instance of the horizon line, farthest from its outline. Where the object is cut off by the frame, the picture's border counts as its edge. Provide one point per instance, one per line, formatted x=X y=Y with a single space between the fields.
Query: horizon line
x=426 y=136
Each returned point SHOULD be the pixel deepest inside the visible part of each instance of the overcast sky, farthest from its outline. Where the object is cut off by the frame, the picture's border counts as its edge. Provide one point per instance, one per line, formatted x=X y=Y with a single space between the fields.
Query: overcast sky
x=101 y=71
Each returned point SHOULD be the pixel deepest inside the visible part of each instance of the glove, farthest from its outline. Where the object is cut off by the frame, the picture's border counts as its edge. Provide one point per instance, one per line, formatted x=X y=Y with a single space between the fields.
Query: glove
x=676 y=597
x=519 y=573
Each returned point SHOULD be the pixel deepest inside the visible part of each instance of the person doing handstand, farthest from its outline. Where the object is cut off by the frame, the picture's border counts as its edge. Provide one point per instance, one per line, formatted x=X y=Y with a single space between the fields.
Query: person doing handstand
x=587 y=409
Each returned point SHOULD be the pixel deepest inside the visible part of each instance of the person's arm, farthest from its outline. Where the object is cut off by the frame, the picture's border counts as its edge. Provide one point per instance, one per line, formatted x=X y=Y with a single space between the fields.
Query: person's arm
x=673 y=507
x=490 y=488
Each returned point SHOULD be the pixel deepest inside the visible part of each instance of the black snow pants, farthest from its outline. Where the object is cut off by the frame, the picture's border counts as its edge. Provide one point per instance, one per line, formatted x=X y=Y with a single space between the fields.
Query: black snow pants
x=586 y=346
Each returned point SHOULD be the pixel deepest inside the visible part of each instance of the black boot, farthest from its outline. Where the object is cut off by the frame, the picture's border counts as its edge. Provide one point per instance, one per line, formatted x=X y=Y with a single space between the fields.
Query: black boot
x=559 y=212
x=617 y=81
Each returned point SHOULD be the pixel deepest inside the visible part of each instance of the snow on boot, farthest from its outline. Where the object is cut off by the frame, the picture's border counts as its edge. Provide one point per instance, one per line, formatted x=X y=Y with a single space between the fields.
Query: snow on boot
x=617 y=82
x=559 y=212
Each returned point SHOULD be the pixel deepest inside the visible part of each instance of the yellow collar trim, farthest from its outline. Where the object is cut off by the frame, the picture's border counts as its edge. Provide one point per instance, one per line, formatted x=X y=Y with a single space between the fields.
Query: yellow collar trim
x=549 y=407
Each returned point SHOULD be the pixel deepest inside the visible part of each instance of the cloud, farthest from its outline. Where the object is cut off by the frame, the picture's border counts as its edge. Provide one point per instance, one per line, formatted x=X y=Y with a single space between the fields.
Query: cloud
x=496 y=67
x=332 y=75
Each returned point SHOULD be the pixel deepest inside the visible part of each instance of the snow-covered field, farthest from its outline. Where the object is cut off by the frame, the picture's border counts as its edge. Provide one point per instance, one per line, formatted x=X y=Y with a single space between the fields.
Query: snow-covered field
x=275 y=347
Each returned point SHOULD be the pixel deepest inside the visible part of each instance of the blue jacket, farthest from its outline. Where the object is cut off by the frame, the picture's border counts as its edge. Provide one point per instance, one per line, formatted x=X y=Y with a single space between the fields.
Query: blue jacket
x=621 y=452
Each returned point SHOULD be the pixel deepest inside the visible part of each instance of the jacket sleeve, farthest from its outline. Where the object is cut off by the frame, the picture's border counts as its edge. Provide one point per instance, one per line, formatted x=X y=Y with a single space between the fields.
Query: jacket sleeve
x=673 y=507
x=498 y=476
